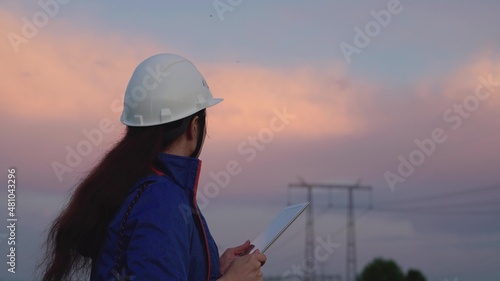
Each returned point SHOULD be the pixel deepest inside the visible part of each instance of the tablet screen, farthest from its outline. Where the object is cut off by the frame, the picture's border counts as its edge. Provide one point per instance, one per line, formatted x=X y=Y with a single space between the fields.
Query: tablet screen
x=278 y=226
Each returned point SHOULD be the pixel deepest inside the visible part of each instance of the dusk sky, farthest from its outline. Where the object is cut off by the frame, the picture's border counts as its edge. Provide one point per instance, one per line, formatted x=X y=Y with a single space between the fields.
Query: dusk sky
x=401 y=95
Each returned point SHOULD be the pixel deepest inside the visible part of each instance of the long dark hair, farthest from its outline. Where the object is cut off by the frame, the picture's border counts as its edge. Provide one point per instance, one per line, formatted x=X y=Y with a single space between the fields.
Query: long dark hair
x=76 y=235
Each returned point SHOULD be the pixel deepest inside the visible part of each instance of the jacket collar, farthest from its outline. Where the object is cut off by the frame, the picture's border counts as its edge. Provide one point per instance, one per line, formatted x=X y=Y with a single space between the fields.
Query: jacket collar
x=183 y=170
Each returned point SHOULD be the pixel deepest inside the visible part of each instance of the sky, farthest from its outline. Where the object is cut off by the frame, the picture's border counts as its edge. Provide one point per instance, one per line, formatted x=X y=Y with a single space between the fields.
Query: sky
x=402 y=96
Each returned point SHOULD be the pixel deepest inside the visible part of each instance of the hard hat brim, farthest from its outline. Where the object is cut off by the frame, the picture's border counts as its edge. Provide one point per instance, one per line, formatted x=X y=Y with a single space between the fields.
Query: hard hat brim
x=215 y=101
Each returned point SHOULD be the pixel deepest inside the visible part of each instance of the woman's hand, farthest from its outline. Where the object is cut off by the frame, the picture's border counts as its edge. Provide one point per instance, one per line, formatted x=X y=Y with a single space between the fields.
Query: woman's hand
x=232 y=253
x=245 y=268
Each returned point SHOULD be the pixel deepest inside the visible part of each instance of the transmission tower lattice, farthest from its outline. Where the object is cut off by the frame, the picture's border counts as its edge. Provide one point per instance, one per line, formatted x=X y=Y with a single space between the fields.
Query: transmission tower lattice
x=351 y=264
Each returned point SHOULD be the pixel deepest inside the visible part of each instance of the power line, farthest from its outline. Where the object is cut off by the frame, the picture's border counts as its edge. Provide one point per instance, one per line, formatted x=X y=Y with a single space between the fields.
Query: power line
x=444 y=207
x=441 y=212
x=483 y=205
x=457 y=205
x=446 y=194
x=431 y=204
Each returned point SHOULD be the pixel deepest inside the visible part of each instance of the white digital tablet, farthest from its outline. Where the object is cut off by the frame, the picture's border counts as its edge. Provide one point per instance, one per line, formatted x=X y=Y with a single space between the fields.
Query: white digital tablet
x=284 y=219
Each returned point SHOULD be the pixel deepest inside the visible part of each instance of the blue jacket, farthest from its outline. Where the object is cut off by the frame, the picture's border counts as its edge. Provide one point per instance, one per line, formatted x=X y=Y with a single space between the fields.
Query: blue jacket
x=166 y=237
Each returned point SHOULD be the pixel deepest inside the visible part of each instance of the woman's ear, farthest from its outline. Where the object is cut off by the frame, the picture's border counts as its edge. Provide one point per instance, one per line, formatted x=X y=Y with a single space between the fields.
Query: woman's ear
x=193 y=128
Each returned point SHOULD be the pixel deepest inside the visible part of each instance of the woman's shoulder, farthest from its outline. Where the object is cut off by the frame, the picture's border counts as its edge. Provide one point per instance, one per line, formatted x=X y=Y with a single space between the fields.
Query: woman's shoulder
x=160 y=205
x=159 y=193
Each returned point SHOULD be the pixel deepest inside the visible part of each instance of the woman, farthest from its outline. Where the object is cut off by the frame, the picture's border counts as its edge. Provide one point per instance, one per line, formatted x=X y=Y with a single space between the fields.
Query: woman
x=135 y=216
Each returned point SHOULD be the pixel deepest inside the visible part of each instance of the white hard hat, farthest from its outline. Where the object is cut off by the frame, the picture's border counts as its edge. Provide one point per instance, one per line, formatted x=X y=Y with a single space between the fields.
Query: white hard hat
x=165 y=88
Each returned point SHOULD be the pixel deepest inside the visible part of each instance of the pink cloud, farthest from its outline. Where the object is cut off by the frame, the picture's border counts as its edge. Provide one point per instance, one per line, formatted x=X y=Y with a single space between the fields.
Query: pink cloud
x=456 y=86
x=68 y=77
x=324 y=102
x=70 y=81
x=65 y=75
